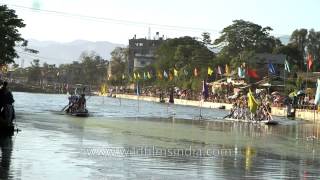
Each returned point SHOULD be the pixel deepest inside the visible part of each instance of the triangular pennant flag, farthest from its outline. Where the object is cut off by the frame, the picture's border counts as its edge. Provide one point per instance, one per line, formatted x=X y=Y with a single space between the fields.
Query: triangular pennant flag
x=227 y=69
x=138 y=76
x=175 y=72
x=144 y=76
x=138 y=90
x=205 y=91
x=252 y=103
x=219 y=70
x=149 y=75
x=134 y=76
x=210 y=71
x=317 y=98
x=195 y=72
x=165 y=74
x=123 y=76
x=160 y=75
x=185 y=72
x=286 y=66
x=309 y=61
x=252 y=73
x=170 y=76
x=271 y=68
x=241 y=72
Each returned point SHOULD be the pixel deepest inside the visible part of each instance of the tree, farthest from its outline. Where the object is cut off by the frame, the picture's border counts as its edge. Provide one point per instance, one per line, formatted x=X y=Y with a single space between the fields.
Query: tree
x=34 y=73
x=206 y=39
x=183 y=54
x=299 y=39
x=93 y=68
x=246 y=36
x=10 y=36
x=313 y=47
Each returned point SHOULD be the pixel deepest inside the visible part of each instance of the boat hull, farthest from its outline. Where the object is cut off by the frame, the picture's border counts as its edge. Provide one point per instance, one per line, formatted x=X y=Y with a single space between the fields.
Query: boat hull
x=266 y=122
x=79 y=113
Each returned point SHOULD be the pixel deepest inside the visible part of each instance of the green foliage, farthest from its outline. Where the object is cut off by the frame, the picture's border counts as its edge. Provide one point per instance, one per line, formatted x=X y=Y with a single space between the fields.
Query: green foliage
x=10 y=36
x=183 y=53
x=34 y=73
x=118 y=67
x=245 y=36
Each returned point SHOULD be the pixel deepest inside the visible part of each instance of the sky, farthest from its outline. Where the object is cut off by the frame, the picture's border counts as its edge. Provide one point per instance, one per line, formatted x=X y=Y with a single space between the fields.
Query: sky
x=119 y=20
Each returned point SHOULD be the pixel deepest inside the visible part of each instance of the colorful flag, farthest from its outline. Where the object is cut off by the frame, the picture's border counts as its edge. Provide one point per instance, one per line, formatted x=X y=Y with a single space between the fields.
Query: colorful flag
x=252 y=73
x=286 y=65
x=138 y=75
x=175 y=72
x=185 y=72
x=271 y=68
x=309 y=61
x=123 y=76
x=241 y=72
x=170 y=76
x=138 y=90
x=205 y=91
x=144 y=76
x=252 y=103
x=227 y=69
x=219 y=70
x=210 y=71
x=134 y=76
x=317 y=98
x=149 y=75
x=195 y=72
x=165 y=74
x=160 y=75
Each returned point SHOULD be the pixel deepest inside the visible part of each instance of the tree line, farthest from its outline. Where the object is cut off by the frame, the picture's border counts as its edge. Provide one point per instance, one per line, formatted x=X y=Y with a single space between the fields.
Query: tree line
x=237 y=44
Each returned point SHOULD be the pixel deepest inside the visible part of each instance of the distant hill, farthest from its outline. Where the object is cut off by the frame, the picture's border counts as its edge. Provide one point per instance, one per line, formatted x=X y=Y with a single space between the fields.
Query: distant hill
x=61 y=53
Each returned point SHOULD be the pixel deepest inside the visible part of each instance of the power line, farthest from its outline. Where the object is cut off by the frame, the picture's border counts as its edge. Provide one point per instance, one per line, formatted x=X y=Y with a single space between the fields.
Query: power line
x=124 y=22
x=116 y=21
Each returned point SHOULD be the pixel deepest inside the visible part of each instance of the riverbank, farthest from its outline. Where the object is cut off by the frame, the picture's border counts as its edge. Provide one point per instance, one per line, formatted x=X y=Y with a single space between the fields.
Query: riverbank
x=302 y=114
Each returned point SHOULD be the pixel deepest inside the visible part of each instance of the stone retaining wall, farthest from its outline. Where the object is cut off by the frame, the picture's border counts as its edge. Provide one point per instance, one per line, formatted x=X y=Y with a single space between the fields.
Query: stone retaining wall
x=309 y=115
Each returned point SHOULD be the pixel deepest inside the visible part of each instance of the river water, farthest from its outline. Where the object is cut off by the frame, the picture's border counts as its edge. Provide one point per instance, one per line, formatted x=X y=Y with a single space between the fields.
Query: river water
x=128 y=139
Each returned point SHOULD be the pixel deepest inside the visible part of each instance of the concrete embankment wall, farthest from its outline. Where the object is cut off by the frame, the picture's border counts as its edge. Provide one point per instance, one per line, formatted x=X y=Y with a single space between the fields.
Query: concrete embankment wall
x=309 y=115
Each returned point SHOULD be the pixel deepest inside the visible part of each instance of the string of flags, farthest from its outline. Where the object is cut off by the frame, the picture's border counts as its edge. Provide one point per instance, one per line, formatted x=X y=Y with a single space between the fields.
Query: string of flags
x=242 y=71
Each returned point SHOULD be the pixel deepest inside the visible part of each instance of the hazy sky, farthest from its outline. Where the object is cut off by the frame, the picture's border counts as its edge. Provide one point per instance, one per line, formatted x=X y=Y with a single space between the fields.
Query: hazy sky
x=200 y=15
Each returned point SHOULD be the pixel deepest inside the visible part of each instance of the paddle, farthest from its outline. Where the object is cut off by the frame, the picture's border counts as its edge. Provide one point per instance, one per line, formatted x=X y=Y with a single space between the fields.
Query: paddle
x=65 y=107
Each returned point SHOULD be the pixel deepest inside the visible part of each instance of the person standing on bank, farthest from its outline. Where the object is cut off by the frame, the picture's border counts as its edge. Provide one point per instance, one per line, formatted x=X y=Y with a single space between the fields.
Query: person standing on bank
x=6 y=103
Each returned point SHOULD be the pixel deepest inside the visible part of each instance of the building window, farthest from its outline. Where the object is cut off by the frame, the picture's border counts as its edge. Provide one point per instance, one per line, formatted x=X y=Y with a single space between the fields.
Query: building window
x=139 y=44
x=142 y=62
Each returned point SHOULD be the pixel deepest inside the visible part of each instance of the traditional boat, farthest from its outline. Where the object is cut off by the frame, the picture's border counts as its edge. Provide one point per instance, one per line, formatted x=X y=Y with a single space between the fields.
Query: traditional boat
x=84 y=113
x=266 y=122
x=76 y=106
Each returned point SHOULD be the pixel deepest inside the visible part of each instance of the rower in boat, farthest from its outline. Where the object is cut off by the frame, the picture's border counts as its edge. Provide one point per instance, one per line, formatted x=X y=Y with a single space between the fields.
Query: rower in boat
x=251 y=111
x=77 y=106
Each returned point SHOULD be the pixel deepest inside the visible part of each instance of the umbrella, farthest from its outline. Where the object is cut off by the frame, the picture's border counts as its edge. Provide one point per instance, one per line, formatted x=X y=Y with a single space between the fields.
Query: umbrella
x=275 y=93
x=292 y=94
x=300 y=93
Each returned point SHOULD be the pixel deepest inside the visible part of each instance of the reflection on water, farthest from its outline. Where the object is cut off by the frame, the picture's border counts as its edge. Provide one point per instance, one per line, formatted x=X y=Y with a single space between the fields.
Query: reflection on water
x=56 y=146
x=6 y=151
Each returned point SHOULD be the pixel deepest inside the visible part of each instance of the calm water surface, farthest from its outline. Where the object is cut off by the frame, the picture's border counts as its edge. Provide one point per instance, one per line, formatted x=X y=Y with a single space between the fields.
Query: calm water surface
x=160 y=139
